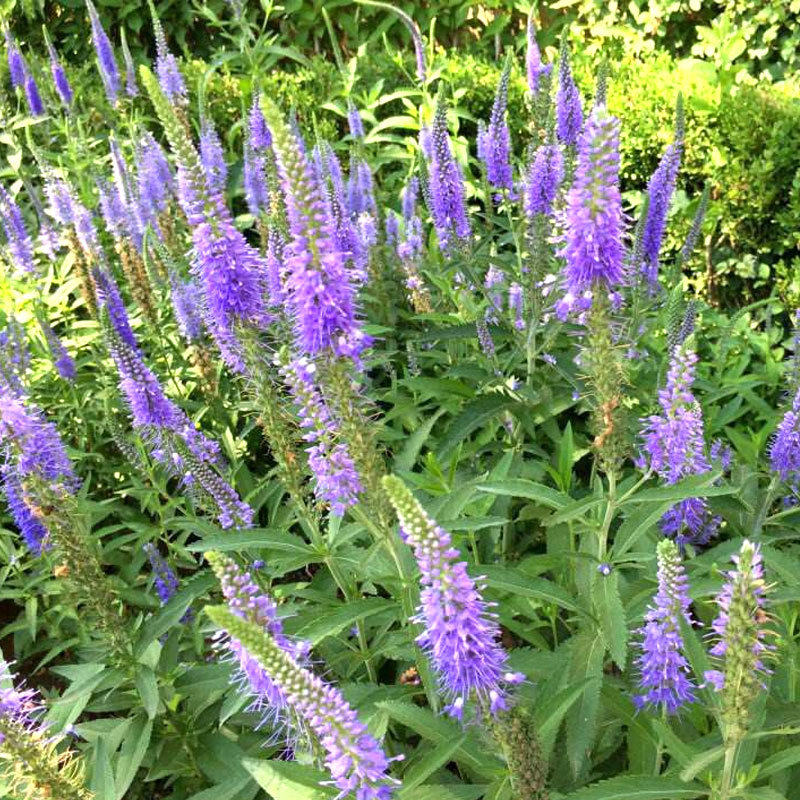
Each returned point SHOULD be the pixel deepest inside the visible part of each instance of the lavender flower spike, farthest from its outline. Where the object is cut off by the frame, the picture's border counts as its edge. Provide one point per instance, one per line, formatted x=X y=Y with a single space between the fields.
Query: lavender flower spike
x=659 y=192
x=461 y=635
x=740 y=630
x=165 y=579
x=246 y=600
x=106 y=61
x=20 y=246
x=16 y=63
x=167 y=70
x=533 y=59
x=543 y=178
x=594 y=249
x=60 y=80
x=665 y=677
x=674 y=448
x=61 y=358
x=131 y=87
x=34 y=99
x=355 y=760
x=35 y=763
x=448 y=204
x=569 y=113
x=319 y=292
x=494 y=140
x=784 y=452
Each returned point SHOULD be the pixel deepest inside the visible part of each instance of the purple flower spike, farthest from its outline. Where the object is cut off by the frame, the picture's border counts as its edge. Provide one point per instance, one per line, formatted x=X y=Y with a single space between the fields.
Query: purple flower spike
x=354 y=121
x=62 y=360
x=461 y=634
x=169 y=75
x=784 y=452
x=19 y=242
x=448 y=203
x=255 y=181
x=106 y=61
x=594 y=249
x=337 y=482
x=665 y=676
x=165 y=579
x=674 y=448
x=533 y=60
x=155 y=180
x=35 y=104
x=659 y=191
x=543 y=179
x=60 y=80
x=740 y=630
x=259 y=136
x=569 y=112
x=185 y=302
x=213 y=158
x=16 y=63
x=494 y=140
x=319 y=292
x=109 y=298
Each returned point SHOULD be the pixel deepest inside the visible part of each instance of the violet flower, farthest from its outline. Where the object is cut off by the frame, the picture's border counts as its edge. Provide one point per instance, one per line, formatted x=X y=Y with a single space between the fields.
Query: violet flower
x=533 y=60
x=337 y=481
x=16 y=63
x=32 y=96
x=665 y=675
x=106 y=61
x=60 y=80
x=674 y=448
x=569 y=112
x=20 y=246
x=494 y=142
x=593 y=248
x=62 y=360
x=659 y=192
x=461 y=634
x=543 y=179
x=446 y=185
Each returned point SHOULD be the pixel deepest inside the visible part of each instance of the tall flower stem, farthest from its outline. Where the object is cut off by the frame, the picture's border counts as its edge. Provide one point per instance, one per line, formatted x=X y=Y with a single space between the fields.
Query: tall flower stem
x=769 y=496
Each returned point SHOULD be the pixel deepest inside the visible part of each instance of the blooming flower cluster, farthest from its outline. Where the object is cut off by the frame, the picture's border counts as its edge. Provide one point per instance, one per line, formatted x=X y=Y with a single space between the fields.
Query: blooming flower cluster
x=674 y=448
x=665 y=674
x=461 y=633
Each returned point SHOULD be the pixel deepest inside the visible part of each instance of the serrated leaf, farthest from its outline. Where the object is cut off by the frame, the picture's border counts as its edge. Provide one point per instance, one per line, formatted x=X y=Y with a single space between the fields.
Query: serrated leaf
x=511 y=580
x=549 y=713
x=639 y=787
x=530 y=490
x=332 y=622
x=408 y=455
x=437 y=758
x=635 y=525
x=288 y=780
x=586 y=667
x=172 y=613
x=474 y=414
x=134 y=747
x=253 y=539
x=102 y=784
x=694 y=486
x=611 y=614
x=147 y=687
x=445 y=791
x=701 y=761
x=779 y=761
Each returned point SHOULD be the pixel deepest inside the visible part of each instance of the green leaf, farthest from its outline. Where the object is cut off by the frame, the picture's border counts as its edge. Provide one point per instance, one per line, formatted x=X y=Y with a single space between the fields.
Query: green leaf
x=549 y=713
x=779 y=762
x=586 y=667
x=445 y=791
x=288 y=780
x=694 y=486
x=530 y=490
x=102 y=784
x=611 y=614
x=134 y=747
x=147 y=686
x=635 y=525
x=408 y=455
x=474 y=414
x=509 y=579
x=172 y=613
x=254 y=539
x=223 y=791
x=701 y=761
x=330 y=623
x=439 y=729
x=639 y=787
x=435 y=759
